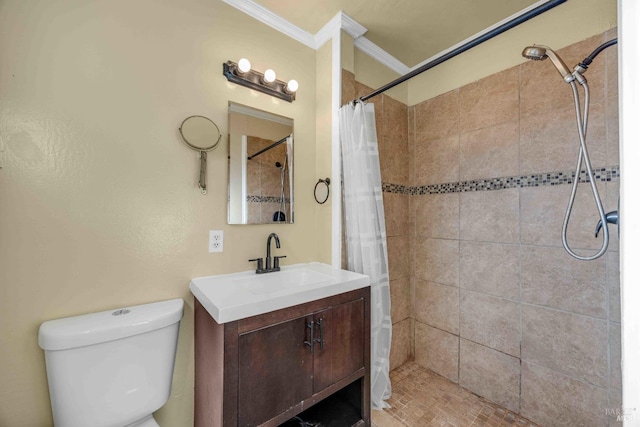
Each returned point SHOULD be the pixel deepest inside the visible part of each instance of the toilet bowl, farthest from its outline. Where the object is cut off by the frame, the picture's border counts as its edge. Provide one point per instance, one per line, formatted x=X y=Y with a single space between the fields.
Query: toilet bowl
x=113 y=368
x=145 y=422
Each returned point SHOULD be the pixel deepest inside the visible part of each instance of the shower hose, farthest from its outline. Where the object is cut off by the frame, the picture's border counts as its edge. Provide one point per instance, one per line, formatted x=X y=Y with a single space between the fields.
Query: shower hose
x=582 y=120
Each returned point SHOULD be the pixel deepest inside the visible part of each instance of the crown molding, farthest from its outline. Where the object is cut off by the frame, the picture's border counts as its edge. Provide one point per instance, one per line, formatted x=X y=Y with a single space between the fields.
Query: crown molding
x=326 y=33
x=341 y=21
x=276 y=22
x=380 y=55
x=351 y=26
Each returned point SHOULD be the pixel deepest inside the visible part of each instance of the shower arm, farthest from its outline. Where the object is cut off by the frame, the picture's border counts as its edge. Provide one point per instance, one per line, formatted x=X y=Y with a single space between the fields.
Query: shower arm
x=582 y=66
x=587 y=61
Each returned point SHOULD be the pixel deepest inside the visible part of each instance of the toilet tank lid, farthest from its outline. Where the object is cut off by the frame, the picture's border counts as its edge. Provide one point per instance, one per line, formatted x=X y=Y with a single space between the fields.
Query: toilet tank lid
x=94 y=328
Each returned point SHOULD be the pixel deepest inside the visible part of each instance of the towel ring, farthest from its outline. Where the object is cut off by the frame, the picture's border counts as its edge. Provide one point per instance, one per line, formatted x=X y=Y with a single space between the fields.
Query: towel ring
x=326 y=182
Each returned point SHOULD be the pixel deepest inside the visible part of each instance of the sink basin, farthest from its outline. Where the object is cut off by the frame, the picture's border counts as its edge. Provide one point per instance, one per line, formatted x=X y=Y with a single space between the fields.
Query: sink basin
x=230 y=297
x=284 y=280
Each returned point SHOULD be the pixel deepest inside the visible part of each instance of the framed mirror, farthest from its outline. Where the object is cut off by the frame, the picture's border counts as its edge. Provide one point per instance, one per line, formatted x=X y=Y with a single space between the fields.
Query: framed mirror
x=260 y=167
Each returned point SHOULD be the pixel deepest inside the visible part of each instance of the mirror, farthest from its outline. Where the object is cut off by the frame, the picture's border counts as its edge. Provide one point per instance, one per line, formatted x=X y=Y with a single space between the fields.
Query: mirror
x=260 y=167
x=200 y=134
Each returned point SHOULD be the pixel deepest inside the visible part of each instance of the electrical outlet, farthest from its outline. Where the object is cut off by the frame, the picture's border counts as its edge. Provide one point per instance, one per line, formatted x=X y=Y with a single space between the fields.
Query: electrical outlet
x=216 y=240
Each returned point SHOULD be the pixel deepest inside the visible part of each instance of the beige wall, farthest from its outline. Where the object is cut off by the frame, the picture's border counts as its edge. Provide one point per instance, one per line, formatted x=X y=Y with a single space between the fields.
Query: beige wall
x=373 y=74
x=99 y=204
x=323 y=153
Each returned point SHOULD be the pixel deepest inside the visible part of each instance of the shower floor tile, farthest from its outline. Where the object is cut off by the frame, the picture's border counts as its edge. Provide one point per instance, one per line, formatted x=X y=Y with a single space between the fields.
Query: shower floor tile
x=422 y=398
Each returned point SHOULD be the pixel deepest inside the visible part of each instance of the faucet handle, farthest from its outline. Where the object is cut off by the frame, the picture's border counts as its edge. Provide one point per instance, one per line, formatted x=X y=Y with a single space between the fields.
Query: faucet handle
x=259 y=267
x=276 y=261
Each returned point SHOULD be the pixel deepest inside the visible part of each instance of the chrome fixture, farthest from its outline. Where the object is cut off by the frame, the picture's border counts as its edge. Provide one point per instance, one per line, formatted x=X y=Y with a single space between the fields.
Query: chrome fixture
x=612 y=218
x=242 y=74
x=541 y=52
x=267 y=264
x=200 y=134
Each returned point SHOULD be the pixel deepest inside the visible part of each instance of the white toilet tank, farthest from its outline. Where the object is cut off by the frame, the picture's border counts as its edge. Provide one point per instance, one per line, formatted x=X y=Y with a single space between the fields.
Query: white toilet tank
x=113 y=368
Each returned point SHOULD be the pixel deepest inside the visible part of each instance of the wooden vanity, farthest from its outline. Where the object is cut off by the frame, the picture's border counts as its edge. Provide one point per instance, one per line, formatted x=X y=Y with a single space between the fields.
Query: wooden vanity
x=309 y=360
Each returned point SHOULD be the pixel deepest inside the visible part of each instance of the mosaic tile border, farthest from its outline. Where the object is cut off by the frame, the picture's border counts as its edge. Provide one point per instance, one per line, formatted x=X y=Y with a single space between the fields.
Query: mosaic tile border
x=604 y=174
x=266 y=199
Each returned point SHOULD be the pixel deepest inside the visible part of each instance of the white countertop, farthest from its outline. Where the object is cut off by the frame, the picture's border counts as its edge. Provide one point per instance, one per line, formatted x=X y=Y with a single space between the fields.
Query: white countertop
x=235 y=296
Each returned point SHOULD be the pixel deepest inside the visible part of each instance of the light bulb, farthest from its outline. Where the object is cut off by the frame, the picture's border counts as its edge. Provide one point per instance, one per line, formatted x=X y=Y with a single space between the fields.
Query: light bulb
x=292 y=86
x=269 y=76
x=244 y=65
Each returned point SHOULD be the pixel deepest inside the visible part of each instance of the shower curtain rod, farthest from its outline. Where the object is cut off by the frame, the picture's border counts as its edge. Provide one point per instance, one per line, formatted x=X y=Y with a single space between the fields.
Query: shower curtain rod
x=463 y=48
x=274 y=145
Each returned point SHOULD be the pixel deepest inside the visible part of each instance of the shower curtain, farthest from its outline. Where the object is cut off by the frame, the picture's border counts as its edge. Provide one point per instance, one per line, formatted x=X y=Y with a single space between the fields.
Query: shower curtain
x=366 y=236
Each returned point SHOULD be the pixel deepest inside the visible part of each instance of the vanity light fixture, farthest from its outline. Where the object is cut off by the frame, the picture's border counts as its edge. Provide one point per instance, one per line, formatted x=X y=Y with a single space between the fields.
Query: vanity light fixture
x=244 y=66
x=269 y=77
x=292 y=86
x=242 y=74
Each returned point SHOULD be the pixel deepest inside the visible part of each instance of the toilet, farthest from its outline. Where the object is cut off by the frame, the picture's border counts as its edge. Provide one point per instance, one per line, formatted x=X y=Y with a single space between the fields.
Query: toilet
x=113 y=368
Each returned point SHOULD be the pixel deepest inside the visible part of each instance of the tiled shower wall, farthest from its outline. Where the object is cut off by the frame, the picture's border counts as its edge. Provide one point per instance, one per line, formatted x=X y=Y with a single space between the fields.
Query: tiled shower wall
x=474 y=199
x=264 y=181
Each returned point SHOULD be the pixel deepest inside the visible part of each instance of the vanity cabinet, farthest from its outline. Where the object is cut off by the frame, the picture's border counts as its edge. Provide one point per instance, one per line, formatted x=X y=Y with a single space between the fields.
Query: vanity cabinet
x=265 y=369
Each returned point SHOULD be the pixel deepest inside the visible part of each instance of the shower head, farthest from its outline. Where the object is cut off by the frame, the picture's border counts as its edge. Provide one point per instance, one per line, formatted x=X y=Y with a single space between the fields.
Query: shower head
x=540 y=52
x=536 y=53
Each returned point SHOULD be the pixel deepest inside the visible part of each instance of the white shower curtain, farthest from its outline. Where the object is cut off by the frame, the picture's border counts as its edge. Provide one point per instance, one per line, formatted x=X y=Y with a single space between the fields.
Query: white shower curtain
x=366 y=236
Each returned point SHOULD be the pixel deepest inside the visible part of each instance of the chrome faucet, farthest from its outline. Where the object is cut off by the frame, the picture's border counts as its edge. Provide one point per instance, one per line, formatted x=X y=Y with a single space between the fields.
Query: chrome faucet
x=267 y=262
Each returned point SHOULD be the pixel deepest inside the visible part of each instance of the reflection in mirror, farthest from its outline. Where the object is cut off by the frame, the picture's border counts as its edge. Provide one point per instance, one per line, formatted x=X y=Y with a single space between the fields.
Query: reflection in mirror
x=260 y=167
x=200 y=133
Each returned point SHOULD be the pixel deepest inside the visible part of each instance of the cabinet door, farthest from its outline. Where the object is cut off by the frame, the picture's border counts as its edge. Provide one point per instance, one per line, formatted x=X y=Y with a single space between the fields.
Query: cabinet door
x=341 y=351
x=275 y=370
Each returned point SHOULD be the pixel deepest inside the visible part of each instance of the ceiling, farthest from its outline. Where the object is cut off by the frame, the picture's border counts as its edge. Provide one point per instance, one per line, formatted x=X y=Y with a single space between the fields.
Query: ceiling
x=409 y=30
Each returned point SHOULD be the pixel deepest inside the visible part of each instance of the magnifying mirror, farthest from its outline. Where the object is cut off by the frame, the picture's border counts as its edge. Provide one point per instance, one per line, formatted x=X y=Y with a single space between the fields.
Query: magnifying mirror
x=200 y=134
